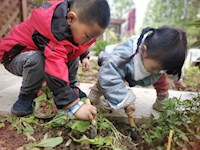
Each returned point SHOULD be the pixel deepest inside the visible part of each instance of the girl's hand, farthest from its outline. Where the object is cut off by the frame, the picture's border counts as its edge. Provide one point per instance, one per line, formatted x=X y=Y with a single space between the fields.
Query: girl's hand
x=129 y=110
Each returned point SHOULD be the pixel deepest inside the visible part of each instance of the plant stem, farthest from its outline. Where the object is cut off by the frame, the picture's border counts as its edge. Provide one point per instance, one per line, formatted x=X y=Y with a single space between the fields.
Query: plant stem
x=170 y=139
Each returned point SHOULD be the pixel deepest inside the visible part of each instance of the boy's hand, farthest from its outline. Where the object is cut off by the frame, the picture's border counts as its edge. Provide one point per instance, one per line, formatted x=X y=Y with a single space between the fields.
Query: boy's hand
x=85 y=64
x=129 y=110
x=86 y=112
x=180 y=84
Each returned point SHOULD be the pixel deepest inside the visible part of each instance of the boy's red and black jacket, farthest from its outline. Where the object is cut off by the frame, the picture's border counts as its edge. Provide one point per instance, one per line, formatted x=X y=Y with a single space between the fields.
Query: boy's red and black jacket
x=47 y=30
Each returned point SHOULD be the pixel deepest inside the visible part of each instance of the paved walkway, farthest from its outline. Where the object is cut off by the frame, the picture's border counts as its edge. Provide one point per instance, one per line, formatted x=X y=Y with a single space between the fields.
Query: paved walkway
x=10 y=85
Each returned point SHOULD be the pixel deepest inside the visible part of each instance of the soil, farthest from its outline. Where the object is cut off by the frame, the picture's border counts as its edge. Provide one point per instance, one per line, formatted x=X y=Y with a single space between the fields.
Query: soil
x=11 y=140
x=89 y=76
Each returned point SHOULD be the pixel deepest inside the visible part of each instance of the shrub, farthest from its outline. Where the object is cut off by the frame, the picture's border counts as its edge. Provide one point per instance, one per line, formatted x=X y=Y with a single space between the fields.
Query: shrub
x=100 y=46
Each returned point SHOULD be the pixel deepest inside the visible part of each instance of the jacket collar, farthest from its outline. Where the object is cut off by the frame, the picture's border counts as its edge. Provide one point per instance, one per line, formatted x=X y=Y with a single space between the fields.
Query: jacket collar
x=59 y=26
x=140 y=71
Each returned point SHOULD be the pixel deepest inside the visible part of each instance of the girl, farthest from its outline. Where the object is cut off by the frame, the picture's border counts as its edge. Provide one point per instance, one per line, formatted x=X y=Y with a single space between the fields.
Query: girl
x=158 y=52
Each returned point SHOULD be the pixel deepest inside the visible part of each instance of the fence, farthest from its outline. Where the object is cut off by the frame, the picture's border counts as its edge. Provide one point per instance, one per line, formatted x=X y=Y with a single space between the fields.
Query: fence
x=13 y=12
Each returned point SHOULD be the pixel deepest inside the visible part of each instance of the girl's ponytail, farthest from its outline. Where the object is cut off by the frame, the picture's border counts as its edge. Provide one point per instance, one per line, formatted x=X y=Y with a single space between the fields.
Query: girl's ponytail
x=144 y=31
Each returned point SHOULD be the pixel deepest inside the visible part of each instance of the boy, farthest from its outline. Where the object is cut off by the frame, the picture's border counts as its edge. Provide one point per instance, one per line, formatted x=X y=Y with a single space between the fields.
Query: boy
x=38 y=49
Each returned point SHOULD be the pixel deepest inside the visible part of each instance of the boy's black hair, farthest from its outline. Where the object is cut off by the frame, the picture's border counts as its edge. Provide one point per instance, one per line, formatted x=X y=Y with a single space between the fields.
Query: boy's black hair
x=168 y=46
x=90 y=11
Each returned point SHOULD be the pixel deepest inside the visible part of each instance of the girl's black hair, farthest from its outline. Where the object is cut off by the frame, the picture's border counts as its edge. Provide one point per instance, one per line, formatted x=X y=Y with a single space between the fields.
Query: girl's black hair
x=166 y=45
x=90 y=11
x=144 y=31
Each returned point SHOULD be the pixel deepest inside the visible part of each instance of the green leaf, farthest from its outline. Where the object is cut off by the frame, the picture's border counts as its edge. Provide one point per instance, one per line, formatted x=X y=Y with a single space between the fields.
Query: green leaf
x=42 y=97
x=184 y=137
x=51 y=142
x=15 y=122
x=30 y=146
x=59 y=120
x=80 y=125
x=179 y=143
x=30 y=119
x=3 y=118
x=189 y=129
x=99 y=140
x=39 y=99
x=28 y=128
x=104 y=125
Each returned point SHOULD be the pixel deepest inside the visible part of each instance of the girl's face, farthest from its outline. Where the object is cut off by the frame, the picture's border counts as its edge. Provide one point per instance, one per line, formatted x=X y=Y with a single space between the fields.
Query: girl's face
x=151 y=65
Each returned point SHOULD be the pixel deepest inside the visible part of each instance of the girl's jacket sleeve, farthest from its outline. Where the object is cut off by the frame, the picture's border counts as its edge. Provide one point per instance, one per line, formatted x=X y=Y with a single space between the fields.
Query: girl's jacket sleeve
x=56 y=74
x=111 y=77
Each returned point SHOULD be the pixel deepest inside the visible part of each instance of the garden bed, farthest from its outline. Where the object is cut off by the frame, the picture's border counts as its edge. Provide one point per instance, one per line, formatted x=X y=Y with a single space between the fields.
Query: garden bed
x=31 y=133
x=181 y=118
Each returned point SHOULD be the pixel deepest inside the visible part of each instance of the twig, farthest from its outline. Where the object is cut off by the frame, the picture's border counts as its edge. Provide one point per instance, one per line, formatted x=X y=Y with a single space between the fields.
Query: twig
x=171 y=132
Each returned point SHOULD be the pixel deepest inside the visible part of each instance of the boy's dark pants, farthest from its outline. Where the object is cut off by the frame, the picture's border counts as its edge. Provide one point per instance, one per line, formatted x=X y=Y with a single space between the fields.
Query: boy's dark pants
x=30 y=65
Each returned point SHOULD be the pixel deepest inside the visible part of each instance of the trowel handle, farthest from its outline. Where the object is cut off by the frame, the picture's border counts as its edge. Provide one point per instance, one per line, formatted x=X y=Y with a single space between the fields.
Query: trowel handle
x=93 y=121
x=131 y=121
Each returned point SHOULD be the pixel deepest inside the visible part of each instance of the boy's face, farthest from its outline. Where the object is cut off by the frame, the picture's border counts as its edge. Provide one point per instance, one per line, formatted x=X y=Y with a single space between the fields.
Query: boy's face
x=83 y=33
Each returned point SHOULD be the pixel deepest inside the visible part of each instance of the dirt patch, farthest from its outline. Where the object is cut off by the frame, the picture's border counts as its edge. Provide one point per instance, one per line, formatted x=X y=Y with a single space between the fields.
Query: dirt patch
x=89 y=76
x=10 y=139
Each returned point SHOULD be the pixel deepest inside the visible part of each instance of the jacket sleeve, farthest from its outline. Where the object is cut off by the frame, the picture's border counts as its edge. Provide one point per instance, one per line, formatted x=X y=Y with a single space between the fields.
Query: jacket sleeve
x=111 y=82
x=56 y=74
